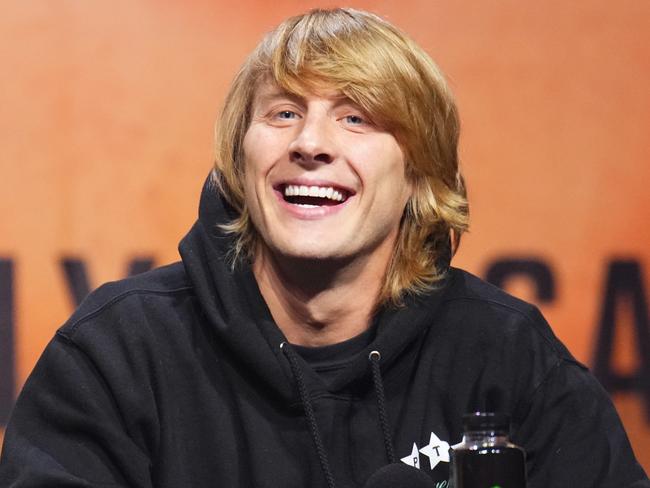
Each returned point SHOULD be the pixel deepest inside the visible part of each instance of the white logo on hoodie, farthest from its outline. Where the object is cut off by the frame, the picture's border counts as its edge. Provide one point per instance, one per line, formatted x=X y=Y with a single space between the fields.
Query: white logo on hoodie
x=437 y=451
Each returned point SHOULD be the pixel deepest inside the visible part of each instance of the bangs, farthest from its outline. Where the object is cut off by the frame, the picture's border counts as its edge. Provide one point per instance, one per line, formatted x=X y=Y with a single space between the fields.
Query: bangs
x=360 y=57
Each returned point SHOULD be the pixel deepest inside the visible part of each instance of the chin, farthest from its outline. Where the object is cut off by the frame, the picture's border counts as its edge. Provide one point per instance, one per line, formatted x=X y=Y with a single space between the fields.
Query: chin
x=310 y=254
x=313 y=251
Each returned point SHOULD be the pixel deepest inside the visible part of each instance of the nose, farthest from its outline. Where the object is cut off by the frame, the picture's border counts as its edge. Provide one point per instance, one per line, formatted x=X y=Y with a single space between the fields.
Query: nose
x=314 y=141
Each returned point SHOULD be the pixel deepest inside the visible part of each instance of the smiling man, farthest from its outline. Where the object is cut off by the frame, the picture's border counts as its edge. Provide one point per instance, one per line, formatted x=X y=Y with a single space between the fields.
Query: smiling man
x=314 y=331
x=326 y=189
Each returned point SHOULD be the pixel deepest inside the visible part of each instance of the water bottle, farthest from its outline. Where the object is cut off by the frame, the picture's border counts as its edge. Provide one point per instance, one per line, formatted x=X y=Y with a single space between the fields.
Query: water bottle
x=486 y=458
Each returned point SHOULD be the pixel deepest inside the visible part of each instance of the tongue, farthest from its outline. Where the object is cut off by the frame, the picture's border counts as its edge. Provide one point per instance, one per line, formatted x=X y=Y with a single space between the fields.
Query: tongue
x=311 y=200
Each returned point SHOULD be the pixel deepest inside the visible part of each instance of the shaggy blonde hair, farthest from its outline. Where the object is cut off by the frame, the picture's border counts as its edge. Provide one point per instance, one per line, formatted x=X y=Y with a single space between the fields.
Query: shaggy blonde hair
x=391 y=78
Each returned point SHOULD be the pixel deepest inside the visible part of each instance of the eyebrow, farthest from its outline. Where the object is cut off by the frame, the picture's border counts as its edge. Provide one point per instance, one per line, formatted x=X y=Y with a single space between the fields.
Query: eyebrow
x=275 y=94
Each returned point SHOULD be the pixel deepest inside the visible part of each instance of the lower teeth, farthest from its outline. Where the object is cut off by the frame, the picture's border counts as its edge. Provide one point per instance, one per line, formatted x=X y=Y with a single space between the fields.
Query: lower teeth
x=306 y=205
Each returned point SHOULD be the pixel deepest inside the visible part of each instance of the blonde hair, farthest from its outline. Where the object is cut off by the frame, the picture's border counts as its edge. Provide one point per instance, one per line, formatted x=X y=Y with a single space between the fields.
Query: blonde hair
x=390 y=77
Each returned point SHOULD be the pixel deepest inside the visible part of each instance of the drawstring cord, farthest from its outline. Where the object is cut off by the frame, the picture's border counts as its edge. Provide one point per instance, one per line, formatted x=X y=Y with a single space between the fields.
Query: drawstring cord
x=375 y=357
x=309 y=413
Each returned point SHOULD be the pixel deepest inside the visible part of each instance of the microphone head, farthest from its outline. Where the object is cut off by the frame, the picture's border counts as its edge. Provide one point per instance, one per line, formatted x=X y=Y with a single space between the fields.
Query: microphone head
x=399 y=475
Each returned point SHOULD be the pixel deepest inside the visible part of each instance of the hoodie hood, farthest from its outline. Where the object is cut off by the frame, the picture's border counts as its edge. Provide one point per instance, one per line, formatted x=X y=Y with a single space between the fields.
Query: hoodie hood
x=243 y=323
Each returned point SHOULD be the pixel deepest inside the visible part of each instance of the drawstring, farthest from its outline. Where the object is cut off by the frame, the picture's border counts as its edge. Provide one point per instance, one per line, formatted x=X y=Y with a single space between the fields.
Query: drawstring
x=375 y=357
x=309 y=412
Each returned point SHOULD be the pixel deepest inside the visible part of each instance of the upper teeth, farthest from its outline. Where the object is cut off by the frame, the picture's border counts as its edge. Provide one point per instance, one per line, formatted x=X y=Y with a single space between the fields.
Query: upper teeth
x=313 y=191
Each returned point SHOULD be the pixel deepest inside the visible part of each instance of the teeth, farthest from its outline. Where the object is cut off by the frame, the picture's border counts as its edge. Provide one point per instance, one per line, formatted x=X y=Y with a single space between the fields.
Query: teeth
x=313 y=191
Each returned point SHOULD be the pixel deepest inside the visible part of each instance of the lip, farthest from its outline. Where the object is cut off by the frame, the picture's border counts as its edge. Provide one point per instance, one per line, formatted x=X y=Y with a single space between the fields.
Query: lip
x=305 y=213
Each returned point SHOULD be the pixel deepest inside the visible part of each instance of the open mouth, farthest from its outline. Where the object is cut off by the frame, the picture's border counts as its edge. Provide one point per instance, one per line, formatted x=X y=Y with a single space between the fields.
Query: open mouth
x=313 y=196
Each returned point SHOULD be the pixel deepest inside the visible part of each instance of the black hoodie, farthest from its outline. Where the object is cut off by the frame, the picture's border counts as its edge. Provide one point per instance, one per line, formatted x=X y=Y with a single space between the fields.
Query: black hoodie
x=177 y=378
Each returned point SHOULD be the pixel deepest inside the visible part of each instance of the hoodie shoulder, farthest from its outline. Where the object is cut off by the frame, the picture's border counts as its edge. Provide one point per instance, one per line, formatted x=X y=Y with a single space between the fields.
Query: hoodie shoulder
x=466 y=286
x=166 y=281
x=499 y=312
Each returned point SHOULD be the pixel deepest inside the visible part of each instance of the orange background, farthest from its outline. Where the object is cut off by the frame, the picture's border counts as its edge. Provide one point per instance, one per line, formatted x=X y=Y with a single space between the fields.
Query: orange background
x=107 y=112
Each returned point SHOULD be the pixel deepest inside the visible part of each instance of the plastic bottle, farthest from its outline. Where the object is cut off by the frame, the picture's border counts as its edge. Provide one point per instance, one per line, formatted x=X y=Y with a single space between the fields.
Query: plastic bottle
x=486 y=458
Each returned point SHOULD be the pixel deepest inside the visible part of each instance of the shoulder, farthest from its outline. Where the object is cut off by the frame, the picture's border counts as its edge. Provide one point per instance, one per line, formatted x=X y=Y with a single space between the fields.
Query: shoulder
x=466 y=287
x=500 y=345
x=490 y=314
x=127 y=299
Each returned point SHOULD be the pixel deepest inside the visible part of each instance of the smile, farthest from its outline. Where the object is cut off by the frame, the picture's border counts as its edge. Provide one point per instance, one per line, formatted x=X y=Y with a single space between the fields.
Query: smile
x=313 y=196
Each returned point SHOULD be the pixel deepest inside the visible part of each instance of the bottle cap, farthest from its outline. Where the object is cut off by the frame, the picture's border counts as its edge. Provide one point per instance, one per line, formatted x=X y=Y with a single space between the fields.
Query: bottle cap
x=480 y=421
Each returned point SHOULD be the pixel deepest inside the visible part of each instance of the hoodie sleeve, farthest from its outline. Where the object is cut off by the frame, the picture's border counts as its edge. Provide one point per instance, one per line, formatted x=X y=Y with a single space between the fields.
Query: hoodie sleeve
x=67 y=430
x=573 y=435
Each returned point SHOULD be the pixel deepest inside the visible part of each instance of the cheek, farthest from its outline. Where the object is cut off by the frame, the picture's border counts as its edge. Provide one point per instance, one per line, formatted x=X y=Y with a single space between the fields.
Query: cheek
x=250 y=153
x=260 y=150
x=384 y=168
x=392 y=182
x=397 y=173
x=250 y=168
x=249 y=175
x=254 y=163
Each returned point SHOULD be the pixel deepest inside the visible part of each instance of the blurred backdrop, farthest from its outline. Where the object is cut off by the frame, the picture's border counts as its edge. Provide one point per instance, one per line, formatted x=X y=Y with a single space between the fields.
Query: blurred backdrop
x=106 y=123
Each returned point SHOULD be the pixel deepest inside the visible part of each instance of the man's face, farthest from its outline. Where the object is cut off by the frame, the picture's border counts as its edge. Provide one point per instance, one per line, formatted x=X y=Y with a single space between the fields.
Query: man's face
x=321 y=180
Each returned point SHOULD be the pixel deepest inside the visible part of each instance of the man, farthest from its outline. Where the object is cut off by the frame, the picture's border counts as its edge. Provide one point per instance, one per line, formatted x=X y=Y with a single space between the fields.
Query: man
x=314 y=331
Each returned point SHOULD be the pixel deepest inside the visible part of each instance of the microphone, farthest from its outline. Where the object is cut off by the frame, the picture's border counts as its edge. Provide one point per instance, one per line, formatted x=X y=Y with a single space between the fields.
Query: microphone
x=399 y=475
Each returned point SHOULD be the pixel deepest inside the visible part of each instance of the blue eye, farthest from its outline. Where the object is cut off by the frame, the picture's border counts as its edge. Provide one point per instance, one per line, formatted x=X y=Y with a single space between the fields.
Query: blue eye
x=287 y=115
x=354 y=119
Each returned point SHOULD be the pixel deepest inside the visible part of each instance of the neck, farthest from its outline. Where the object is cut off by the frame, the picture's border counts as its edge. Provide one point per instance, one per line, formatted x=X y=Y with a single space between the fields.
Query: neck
x=319 y=302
